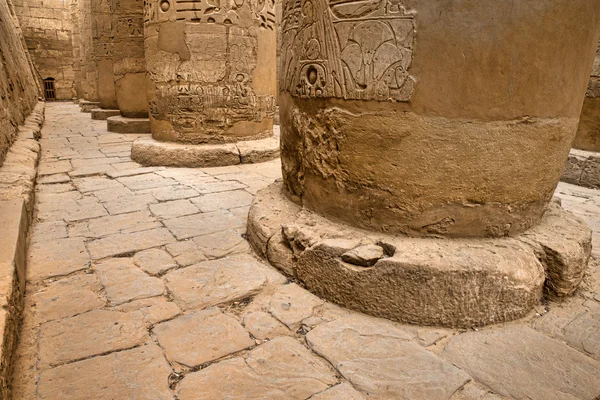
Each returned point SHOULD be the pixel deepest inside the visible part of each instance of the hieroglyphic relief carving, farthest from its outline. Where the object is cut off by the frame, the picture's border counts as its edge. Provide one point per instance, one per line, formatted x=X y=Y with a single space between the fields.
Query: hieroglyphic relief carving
x=209 y=86
x=102 y=49
x=348 y=49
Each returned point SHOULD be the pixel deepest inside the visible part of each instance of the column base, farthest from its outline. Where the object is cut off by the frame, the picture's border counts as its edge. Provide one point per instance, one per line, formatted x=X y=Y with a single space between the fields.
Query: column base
x=426 y=281
x=583 y=169
x=88 y=106
x=102 y=114
x=151 y=152
x=119 y=124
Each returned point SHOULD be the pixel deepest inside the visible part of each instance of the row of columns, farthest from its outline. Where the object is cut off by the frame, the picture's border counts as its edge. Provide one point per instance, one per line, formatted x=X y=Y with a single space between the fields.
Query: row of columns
x=398 y=120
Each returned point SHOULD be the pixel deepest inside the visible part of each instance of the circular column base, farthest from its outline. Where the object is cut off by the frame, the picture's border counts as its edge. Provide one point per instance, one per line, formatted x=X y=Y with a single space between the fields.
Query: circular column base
x=119 y=124
x=426 y=281
x=102 y=114
x=150 y=152
x=88 y=106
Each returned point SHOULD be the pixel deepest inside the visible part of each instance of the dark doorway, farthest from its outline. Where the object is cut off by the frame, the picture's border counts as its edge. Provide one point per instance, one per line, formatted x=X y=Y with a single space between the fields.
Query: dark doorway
x=49 y=92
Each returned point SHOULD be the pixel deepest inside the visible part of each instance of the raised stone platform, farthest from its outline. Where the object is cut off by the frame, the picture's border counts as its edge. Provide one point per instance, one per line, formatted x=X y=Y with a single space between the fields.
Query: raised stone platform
x=149 y=152
x=88 y=106
x=119 y=124
x=583 y=169
x=426 y=281
x=102 y=114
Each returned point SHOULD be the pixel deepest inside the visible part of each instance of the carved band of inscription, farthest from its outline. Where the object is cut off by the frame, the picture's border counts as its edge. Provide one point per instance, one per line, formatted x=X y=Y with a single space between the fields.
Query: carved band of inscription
x=348 y=49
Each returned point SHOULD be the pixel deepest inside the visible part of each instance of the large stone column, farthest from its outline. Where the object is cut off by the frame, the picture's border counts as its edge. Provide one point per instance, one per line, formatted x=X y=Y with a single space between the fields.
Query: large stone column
x=128 y=56
x=103 y=53
x=212 y=79
x=75 y=41
x=421 y=146
x=89 y=70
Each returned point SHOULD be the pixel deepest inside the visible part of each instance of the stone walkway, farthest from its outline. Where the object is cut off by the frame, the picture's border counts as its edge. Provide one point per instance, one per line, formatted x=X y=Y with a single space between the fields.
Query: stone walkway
x=141 y=286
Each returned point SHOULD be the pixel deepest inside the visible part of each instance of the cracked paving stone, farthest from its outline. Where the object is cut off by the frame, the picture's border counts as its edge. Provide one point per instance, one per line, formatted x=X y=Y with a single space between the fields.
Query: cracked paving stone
x=214 y=245
x=123 y=281
x=154 y=261
x=215 y=282
x=203 y=224
x=95 y=183
x=90 y=334
x=137 y=374
x=173 y=209
x=518 y=362
x=277 y=370
x=154 y=309
x=146 y=181
x=202 y=336
x=343 y=391
x=379 y=360
x=263 y=326
x=225 y=200
x=56 y=257
x=122 y=243
x=291 y=304
x=112 y=224
x=168 y=193
x=68 y=297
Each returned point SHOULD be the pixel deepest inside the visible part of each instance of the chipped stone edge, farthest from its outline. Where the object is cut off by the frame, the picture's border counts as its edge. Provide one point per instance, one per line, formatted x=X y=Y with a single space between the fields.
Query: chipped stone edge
x=150 y=152
x=551 y=261
x=87 y=106
x=19 y=172
x=582 y=169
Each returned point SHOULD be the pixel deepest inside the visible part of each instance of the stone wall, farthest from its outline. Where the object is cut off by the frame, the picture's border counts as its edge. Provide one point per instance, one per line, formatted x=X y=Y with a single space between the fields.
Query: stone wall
x=18 y=87
x=47 y=29
x=588 y=134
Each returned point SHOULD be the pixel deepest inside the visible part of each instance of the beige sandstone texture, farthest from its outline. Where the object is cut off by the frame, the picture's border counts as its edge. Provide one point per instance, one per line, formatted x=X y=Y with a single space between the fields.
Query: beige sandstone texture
x=17 y=81
x=212 y=70
x=102 y=42
x=120 y=124
x=129 y=64
x=47 y=28
x=88 y=65
x=588 y=133
x=157 y=277
x=386 y=138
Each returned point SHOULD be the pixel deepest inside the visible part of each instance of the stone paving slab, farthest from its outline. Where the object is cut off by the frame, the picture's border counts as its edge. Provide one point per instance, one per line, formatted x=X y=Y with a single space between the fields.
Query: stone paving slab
x=94 y=333
x=200 y=337
x=56 y=257
x=137 y=374
x=519 y=362
x=203 y=224
x=123 y=243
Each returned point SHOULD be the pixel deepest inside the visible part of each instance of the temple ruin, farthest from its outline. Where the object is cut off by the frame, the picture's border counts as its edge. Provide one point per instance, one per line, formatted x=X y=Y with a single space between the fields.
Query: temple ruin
x=231 y=199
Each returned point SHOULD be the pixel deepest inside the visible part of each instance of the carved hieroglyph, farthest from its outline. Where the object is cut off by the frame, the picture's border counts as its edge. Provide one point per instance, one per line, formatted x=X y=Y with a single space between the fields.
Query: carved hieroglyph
x=129 y=64
x=347 y=49
x=103 y=52
x=212 y=67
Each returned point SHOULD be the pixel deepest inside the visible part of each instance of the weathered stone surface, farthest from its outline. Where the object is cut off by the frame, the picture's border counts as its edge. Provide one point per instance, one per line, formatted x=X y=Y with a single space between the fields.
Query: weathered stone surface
x=518 y=362
x=123 y=281
x=291 y=304
x=379 y=360
x=93 y=333
x=220 y=201
x=364 y=256
x=113 y=224
x=136 y=374
x=200 y=337
x=56 y=258
x=342 y=391
x=146 y=181
x=120 y=124
x=563 y=243
x=215 y=282
x=173 y=209
x=68 y=297
x=257 y=151
x=202 y=224
x=263 y=326
x=151 y=152
x=122 y=243
x=576 y=323
x=102 y=114
x=154 y=261
x=186 y=252
x=211 y=246
x=279 y=369
x=154 y=309
x=310 y=249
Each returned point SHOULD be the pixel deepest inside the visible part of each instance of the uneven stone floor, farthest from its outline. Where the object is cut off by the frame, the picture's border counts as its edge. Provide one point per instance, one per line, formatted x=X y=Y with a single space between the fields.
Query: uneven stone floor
x=141 y=286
